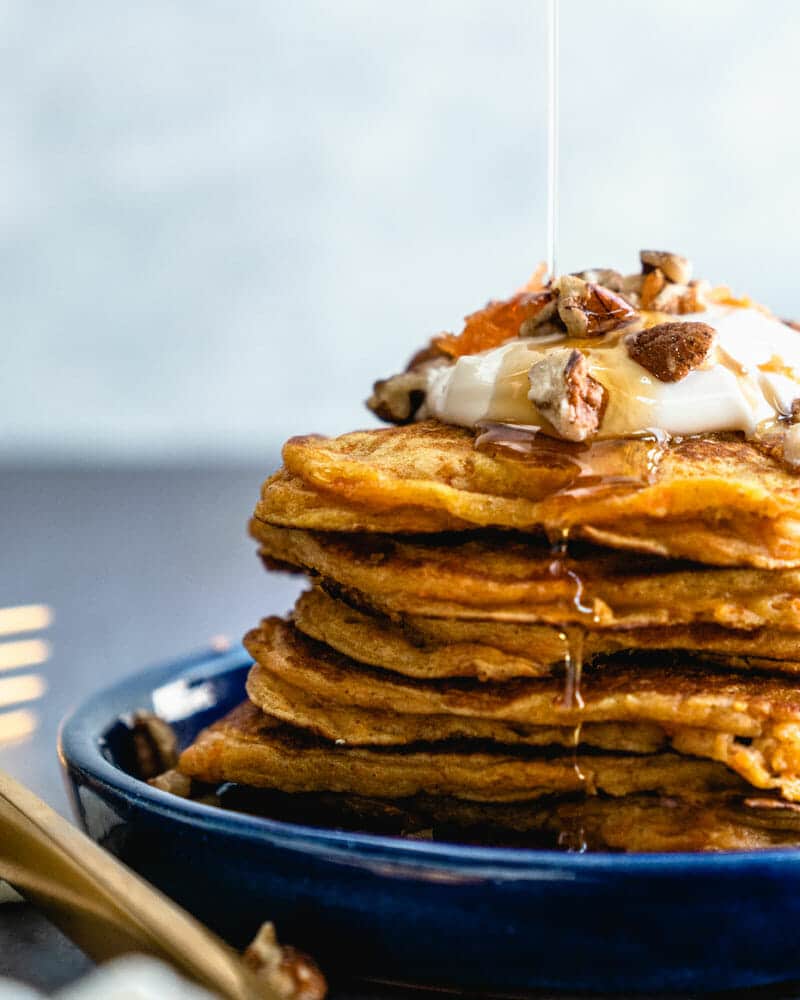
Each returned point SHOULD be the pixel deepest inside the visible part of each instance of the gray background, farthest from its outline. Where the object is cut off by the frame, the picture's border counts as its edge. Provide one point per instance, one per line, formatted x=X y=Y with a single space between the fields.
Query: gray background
x=220 y=220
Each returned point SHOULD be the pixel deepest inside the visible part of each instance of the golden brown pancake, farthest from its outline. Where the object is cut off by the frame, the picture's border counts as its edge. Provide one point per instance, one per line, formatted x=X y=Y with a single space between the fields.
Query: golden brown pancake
x=249 y=748
x=358 y=726
x=716 y=499
x=505 y=578
x=430 y=648
x=752 y=725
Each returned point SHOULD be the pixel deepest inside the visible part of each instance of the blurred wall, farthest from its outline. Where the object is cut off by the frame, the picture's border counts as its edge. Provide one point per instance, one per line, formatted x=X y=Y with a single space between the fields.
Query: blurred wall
x=220 y=220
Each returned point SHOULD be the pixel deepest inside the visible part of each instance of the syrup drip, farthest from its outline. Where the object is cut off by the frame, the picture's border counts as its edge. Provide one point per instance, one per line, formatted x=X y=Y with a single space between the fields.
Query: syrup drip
x=572 y=837
x=600 y=467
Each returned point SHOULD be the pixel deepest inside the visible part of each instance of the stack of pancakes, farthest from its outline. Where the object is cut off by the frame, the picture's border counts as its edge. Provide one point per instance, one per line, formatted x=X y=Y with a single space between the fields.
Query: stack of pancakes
x=592 y=646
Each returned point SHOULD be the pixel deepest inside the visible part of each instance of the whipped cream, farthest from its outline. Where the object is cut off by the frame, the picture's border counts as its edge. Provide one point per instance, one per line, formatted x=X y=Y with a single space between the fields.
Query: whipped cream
x=751 y=375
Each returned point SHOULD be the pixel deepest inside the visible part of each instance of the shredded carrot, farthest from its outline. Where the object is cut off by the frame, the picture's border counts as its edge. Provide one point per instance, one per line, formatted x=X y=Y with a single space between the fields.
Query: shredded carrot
x=498 y=322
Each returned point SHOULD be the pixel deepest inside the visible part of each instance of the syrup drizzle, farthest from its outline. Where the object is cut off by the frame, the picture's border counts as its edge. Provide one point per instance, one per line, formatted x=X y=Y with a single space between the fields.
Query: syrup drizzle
x=601 y=467
x=552 y=136
x=606 y=466
x=572 y=837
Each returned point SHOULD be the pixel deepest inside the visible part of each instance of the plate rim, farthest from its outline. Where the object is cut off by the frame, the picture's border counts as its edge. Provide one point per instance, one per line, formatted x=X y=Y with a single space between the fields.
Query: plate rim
x=80 y=736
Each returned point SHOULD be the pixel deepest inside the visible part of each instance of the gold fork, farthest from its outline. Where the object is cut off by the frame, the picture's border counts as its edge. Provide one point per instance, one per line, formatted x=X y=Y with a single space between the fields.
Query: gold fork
x=101 y=905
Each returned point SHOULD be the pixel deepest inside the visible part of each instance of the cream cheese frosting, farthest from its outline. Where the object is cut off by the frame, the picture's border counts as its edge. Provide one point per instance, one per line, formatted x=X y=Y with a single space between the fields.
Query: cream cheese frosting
x=751 y=375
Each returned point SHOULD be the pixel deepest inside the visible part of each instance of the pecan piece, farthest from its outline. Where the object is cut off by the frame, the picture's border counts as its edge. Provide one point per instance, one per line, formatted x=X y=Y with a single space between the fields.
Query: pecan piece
x=566 y=394
x=589 y=310
x=290 y=973
x=671 y=350
x=155 y=745
x=791 y=446
x=653 y=284
x=695 y=297
x=605 y=276
x=397 y=400
x=675 y=268
x=680 y=299
x=173 y=782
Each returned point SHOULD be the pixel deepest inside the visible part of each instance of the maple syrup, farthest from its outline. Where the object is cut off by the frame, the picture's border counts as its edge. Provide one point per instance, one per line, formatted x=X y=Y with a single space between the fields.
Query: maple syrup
x=552 y=136
x=611 y=465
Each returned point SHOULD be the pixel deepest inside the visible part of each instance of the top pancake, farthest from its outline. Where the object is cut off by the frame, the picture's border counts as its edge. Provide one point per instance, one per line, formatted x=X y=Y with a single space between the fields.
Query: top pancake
x=716 y=499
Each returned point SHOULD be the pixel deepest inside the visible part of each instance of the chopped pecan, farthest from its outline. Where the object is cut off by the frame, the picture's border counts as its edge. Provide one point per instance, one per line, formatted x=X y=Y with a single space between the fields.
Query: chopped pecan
x=545 y=321
x=675 y=268
x=566 y=394
x=671 y=350
x=605 y=276
x=631 y=289
x=656 y=294
x=791 y=446
x=580 y=309
x=572 y=296
x=290 y=973
x=589 y=310
x=155 y=745
x=695 y=298
x=173 y=782
x=653 y=285
x=397 y=399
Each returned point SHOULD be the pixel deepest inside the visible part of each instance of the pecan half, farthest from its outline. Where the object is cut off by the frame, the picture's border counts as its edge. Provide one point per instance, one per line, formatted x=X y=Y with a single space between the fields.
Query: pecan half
x=580 y=309
x=566 y=394
x=671 y=350
x=675 y=268
x=589 y=310
x=290 y=973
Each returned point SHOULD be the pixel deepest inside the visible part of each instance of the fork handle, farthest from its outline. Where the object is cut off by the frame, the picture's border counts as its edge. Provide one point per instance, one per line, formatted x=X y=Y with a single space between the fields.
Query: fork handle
x=101 y=905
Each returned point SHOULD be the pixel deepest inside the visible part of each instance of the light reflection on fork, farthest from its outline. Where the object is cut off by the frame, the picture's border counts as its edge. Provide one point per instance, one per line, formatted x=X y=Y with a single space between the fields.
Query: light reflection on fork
x=18 y=722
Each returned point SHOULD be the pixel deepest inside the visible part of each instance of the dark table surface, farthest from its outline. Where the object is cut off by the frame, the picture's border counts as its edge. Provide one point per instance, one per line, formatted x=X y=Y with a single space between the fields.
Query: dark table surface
x=139 y=565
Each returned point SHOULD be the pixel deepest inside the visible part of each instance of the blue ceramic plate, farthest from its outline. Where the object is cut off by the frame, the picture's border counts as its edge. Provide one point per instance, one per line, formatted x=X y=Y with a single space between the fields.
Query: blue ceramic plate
x=499 y=919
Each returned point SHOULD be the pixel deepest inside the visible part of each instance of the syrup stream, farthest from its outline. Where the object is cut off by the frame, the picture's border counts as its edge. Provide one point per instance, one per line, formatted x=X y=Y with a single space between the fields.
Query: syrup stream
x=552 y=136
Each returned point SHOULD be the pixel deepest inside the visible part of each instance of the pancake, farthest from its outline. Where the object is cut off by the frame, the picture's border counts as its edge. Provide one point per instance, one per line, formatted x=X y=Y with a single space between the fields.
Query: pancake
x=431 y=648
x=752 y=726
x=633 y=823
x=717 y=499
x=364 y=727
x=249 y=748
x=505 y=578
